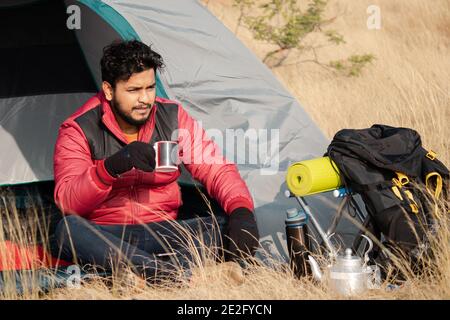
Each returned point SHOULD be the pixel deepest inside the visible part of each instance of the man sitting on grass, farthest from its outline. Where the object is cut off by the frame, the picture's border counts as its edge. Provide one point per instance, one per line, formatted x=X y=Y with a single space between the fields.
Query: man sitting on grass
x=117 y=208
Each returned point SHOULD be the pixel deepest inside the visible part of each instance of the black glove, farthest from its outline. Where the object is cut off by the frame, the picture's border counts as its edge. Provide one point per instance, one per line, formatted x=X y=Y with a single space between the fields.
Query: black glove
x=137 y=154
x=243 y=234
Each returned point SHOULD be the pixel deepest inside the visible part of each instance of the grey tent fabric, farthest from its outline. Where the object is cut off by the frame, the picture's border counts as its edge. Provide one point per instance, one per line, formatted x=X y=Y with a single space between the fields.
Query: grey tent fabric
x=28 y=129
x=43 y=80
x=94 y=34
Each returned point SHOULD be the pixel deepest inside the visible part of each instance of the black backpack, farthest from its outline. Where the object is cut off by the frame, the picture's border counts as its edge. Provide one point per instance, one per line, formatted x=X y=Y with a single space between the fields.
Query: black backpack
x=398 y=180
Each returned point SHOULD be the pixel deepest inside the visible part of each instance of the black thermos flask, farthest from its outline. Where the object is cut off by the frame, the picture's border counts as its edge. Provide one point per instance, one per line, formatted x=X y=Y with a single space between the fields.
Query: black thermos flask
x=297 y=241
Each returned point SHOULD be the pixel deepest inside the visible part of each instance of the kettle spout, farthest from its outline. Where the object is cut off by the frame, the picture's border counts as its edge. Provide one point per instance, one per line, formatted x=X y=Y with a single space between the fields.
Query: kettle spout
x=315 y=269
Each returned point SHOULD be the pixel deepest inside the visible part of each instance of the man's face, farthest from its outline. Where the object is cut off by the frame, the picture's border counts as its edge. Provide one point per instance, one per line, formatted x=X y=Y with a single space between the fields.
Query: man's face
x=133 y=99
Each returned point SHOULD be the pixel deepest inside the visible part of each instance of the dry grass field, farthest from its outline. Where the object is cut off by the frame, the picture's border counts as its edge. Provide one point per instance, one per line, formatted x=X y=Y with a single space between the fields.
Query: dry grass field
x=407 y=85
x=211 y=280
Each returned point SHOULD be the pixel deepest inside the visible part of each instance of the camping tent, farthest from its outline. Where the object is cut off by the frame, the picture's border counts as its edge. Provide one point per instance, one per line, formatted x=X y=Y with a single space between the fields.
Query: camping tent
x=50 y=65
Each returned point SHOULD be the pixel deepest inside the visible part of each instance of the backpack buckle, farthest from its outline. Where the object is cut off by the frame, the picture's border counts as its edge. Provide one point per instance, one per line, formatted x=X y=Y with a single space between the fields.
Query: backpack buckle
x=431 y=155
x=401 y=180
x=397 y=193
x=412 y=203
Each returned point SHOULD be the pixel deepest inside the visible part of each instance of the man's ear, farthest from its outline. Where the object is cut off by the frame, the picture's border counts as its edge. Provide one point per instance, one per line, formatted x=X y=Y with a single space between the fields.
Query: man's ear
x=108 y=90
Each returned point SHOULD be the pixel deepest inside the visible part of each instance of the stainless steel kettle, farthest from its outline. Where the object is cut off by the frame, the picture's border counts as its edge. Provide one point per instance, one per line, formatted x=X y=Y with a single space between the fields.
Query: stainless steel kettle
x=349 y=274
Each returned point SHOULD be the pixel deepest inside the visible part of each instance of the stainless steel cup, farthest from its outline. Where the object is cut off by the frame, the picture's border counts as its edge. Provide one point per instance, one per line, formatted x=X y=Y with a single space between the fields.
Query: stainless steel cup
x=166 y=156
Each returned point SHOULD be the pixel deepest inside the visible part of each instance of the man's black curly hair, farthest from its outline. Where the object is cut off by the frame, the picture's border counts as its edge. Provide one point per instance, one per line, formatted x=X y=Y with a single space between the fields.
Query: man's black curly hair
x=123 y=58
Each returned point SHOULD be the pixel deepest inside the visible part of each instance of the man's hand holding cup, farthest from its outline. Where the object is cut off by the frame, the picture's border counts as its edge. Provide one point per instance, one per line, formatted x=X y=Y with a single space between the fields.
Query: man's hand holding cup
x=162 y=157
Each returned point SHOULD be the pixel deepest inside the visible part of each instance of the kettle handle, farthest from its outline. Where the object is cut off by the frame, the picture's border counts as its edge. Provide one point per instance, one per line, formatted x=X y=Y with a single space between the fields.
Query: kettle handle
x=366 y=254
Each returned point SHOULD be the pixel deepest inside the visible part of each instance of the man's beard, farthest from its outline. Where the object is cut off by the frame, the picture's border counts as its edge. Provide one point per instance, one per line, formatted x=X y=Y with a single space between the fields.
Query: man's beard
x=127 y=118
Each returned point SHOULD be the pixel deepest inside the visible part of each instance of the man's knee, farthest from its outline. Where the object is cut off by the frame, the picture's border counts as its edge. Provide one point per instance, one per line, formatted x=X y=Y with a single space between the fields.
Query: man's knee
x=61 y=245
x=222 y=222
x=67 y=227
x=72 y=234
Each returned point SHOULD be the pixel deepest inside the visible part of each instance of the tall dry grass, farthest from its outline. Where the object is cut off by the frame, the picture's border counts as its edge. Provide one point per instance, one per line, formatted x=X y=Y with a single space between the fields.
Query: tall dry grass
x=213 y=280
x=21 y=227
x=407 y=85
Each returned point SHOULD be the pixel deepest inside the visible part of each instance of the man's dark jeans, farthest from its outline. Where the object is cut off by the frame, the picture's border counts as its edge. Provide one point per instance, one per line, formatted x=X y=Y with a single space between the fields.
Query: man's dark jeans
x=155 y=250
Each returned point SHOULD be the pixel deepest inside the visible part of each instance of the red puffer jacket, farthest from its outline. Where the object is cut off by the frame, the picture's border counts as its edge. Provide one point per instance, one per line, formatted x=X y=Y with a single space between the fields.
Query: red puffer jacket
x=84 y=187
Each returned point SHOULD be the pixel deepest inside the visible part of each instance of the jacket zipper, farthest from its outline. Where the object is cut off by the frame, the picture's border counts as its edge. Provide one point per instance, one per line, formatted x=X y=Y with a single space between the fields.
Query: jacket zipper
x=134 y=196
